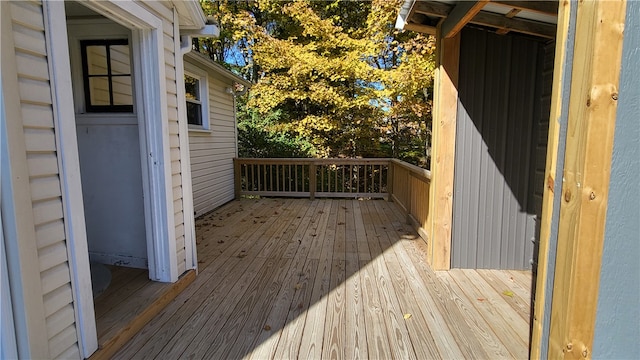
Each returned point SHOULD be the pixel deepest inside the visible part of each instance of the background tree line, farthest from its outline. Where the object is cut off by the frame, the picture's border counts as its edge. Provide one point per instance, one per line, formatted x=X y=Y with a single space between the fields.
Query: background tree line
x=331 y=78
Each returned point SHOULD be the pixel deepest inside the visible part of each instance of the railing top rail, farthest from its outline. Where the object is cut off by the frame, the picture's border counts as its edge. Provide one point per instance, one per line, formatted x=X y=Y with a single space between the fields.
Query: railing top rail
x=306 y=161
x=424 y=173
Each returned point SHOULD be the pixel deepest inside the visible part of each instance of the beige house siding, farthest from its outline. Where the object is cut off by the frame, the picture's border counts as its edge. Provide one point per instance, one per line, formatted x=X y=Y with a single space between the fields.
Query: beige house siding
x=35 y=94
x=212 y=152
x=40 y=139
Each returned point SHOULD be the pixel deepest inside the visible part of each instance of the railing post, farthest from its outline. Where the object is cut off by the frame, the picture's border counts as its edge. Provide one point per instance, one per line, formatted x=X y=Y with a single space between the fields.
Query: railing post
x=312 y=180
x=390 y=181
x=237 y=178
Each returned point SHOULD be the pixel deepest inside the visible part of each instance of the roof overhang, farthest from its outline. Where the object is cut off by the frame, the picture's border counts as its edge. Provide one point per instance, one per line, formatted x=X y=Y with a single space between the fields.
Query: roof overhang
x=536 y=18
x=193 y=22
x=204 y=62
x=190 y=14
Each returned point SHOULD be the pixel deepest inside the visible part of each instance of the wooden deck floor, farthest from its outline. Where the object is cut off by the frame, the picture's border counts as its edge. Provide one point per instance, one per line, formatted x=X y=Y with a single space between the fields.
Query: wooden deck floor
x=285 y=278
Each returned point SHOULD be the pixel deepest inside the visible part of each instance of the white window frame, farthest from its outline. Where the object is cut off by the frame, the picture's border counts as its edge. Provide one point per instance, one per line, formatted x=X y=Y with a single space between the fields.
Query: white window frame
x=203 y=80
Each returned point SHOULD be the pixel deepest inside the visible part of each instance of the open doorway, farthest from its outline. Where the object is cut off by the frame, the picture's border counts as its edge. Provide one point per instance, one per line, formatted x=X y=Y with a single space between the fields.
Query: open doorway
x=110 y=131
x=108 y=138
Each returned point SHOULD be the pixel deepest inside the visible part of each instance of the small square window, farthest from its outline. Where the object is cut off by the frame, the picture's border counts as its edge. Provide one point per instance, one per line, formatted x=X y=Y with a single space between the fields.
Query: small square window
x=107 y=75
x=196 y=99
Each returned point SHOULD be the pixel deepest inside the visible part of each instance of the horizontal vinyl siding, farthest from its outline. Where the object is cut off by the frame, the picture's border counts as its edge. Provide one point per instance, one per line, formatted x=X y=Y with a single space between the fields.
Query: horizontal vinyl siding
x=212 y=153
x=163 y=10
x=40 y=140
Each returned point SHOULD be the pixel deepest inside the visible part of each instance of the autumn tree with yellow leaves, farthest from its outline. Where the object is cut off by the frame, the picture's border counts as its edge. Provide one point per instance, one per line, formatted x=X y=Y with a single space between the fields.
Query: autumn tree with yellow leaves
x=335 y=73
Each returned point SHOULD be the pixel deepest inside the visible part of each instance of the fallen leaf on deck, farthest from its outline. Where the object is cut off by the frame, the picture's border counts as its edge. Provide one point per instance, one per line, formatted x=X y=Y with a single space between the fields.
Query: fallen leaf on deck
x=298 y=287
x=508 y=293
x=511 y=278
x=267 y=327
x=220 y=241
x=340 y=223
x=407 y=316
x=481 y=299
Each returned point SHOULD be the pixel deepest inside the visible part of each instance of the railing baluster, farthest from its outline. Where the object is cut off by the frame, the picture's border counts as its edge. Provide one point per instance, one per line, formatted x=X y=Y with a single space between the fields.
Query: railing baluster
x=313 y=179
x=366 y=175
x=332 y=177
x=258 y=167
x=248 y=169
x=351 y=178
x=380 y=182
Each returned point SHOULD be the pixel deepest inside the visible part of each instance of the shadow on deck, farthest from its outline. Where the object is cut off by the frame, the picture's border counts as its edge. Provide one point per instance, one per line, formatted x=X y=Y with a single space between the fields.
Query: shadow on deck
x=285 y=278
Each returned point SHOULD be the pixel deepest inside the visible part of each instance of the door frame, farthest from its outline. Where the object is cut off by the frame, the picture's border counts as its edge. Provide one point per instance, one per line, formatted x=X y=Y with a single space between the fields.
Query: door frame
x=148 y=56
x=103 y=29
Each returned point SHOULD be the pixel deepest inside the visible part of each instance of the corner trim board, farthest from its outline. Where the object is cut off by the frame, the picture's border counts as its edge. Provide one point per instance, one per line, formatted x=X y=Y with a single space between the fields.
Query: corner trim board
x=185 y=157
x=69 y=172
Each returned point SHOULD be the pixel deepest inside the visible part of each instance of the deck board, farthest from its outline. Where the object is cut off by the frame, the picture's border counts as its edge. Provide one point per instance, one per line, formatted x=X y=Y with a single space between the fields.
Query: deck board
x=343 y=279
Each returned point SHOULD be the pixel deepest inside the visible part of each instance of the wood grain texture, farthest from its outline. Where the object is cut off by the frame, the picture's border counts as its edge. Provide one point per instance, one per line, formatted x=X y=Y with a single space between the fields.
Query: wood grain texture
x=444 y=146
x=118 y=336
x=460 y=15
x=412 y=195
x=344 y=293
x=587 y=165
x=557 y=107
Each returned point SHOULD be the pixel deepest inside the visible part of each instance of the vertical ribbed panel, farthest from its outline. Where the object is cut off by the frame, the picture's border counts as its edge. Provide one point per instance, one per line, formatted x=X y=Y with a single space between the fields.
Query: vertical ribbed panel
x=499 y=105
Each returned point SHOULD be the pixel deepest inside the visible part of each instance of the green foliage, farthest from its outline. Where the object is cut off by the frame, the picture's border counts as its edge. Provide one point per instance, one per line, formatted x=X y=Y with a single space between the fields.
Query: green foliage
x=331 y=78
x=258 y=139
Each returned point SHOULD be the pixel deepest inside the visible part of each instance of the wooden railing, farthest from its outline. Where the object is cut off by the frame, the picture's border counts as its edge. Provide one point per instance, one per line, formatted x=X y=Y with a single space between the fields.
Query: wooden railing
x=357 y=178
x=391 y=179
x=411 y=186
